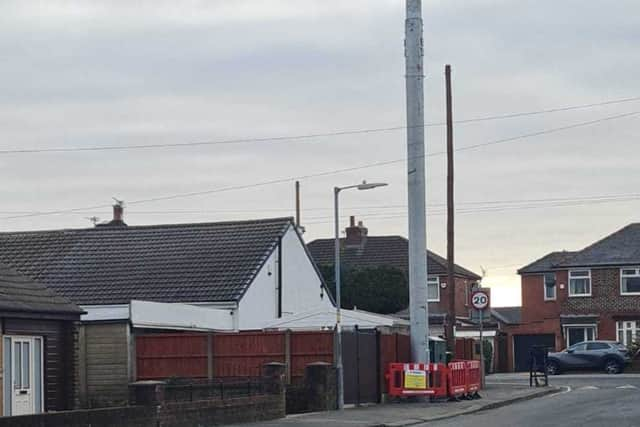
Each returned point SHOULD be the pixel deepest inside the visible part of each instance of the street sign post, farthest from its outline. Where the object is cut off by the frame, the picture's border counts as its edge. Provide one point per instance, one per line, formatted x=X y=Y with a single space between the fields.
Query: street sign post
x=480 y=300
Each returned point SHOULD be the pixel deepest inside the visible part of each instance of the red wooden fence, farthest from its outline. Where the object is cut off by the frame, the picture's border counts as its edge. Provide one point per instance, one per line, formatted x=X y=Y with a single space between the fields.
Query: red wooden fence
x=393 y=348
x=230 y=355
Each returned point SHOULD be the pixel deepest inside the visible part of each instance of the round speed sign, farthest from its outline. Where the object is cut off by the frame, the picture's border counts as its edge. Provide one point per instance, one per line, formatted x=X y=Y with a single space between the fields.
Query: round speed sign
x=480 y=300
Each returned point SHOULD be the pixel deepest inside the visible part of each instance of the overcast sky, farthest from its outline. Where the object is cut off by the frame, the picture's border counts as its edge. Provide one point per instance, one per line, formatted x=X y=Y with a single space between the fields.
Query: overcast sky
x=84 y=74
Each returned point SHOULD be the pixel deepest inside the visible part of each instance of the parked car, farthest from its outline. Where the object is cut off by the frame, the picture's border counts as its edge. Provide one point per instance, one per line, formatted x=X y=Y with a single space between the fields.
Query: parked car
x=610 y=356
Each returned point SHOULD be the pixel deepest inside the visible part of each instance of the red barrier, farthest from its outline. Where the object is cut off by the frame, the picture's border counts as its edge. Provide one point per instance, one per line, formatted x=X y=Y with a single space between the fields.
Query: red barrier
x=457 y=379
x=473 y=376
x=417 y=379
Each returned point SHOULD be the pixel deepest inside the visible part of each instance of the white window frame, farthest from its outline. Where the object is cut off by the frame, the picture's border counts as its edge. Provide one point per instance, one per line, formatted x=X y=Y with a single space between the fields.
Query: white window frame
x=622 y=327
x=544 y=287
x=637 y=274
x=430 y=280
x=571 y=294
x=582 y=326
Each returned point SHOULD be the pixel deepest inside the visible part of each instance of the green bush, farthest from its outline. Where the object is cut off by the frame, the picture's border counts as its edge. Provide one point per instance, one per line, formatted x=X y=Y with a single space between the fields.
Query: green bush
x=383 y=290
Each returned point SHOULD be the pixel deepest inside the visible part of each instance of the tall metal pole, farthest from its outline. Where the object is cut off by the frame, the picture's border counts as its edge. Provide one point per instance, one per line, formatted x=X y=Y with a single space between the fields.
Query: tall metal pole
x=298 y=204
x=418 y=306
x=451 y=284
x=336 y=265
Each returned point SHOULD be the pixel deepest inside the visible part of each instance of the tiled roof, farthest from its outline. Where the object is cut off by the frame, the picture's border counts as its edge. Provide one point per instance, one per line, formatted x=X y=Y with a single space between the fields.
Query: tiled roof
x=619 y=248
x=508 y=315
x=19 y=294
x=167 y=263
x=546 y=263
x=378 y=251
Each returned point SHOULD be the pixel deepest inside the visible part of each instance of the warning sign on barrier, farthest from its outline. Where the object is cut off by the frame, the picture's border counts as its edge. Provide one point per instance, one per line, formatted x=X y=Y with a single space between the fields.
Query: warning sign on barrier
x=415 y=379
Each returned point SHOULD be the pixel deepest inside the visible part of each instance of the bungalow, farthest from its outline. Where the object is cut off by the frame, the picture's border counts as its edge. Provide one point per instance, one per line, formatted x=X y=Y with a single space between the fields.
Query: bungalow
x=246 y=274
x=37 y=346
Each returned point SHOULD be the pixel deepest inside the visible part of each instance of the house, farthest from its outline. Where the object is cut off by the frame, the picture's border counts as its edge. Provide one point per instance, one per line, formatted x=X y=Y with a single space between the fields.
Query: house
x=569 y=297
x=38 y=347
x=245 y=273
x=359 y=250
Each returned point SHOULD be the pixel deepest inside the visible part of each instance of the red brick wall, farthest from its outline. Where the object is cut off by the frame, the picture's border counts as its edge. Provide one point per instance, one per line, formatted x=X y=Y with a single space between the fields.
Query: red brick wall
x=462 y=307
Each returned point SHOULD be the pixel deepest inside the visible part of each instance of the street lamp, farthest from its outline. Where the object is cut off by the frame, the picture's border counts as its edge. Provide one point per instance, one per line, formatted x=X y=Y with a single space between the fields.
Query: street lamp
x=336 y=192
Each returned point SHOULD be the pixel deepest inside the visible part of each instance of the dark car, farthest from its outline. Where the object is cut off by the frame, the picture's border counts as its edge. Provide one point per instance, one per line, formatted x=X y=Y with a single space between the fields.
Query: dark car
x=610 y=356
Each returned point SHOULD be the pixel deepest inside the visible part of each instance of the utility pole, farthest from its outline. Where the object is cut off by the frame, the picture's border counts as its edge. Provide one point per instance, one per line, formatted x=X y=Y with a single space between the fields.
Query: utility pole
x=298 y=205
x=451 y=284
x=418 y=306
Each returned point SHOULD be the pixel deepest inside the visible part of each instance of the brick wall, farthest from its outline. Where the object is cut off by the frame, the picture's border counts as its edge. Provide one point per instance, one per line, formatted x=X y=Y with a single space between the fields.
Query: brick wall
x=462 y=293
x=606 y=298
x=130 y=416
x=210 y=413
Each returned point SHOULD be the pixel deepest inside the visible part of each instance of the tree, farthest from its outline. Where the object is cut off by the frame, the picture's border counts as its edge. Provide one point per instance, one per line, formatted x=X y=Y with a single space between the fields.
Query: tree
x=383 y=289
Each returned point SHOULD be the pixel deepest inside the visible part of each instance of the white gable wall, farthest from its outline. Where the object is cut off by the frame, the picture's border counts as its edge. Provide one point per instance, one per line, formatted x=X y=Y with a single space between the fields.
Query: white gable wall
x=300 y=286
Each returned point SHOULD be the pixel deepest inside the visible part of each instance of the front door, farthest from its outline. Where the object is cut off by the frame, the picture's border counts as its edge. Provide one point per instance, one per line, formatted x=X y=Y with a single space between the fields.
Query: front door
x=23 y=375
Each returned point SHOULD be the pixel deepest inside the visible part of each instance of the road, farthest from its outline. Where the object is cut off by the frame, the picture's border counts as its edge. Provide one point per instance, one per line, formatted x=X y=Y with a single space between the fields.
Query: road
x=587 y=400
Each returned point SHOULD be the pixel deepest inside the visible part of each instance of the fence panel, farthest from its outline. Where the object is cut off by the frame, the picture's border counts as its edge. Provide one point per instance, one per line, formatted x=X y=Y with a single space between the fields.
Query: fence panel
x=243 y=354
x=310 y=347
x=171 y=355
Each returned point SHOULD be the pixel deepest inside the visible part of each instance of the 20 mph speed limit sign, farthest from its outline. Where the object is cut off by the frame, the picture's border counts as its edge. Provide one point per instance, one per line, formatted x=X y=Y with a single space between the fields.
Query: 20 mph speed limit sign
x=480 y=300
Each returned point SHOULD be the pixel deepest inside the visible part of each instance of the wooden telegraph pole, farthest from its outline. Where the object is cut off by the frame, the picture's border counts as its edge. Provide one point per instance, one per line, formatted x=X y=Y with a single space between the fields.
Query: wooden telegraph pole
x=451 y=288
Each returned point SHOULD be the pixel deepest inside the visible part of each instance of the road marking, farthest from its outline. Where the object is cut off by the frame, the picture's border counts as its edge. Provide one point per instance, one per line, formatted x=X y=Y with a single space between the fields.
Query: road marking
x=567 y=389
x=589 y=387
x=627 y=386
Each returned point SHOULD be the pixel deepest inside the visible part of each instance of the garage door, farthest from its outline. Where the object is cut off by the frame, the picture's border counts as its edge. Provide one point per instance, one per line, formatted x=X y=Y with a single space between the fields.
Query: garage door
x=523 y=343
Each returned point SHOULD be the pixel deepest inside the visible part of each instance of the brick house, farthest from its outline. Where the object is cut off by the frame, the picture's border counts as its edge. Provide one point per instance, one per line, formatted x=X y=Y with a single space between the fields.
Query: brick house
x=359 y=250
x=569 y=297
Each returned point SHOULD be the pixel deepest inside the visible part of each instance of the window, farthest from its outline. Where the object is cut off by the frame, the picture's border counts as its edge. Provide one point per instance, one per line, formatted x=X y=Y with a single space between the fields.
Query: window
x=630 y=281
x=579 y=283
x=577 y=334
x=628 y=331
x=549 y=286
x=433 y=289
x=578 y=347
x=597 y=346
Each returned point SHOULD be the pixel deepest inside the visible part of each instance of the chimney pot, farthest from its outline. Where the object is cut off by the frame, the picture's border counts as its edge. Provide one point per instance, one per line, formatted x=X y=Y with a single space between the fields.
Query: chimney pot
x=352 y=221
x=356 y=234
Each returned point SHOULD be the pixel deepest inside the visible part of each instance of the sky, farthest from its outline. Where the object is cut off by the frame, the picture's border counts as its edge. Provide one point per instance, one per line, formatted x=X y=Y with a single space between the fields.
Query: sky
x=95 y=74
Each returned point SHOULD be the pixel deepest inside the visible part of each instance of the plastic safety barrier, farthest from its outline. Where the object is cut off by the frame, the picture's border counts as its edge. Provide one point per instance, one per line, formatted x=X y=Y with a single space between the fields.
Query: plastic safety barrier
x=457 y=378
x=473 y=376
x=417 y=379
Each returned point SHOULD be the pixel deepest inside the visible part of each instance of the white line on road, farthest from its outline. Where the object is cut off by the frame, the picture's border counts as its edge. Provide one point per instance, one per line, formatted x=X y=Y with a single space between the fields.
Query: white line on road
x=627 y=386
x=589 y=387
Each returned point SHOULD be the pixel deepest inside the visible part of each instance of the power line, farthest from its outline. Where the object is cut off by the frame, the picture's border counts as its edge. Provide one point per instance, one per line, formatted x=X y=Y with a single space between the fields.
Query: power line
x=496 y=209
x=292 y=138
x=331 y=172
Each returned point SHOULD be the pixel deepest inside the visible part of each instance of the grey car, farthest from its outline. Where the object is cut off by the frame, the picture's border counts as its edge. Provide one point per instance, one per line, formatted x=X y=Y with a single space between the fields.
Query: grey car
x=610 y=356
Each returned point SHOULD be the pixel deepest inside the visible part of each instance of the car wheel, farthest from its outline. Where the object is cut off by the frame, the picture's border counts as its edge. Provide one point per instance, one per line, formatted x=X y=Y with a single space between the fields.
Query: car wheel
x=553 y=368
x=612 y=366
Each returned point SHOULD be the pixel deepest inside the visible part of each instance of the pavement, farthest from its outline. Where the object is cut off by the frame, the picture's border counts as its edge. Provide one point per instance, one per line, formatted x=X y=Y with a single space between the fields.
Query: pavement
x=494 y=396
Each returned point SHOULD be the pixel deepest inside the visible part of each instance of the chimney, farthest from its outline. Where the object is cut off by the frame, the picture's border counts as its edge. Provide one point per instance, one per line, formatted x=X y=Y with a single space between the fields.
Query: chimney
x=118 y=214
x=356 y=234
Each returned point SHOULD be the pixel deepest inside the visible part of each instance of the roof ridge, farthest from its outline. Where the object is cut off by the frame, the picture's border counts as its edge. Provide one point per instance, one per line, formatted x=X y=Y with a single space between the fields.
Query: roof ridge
x=151 y=226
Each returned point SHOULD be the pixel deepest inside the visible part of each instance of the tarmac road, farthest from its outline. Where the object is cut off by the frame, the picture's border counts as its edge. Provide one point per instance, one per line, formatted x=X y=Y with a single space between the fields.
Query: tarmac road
x=588 y=400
